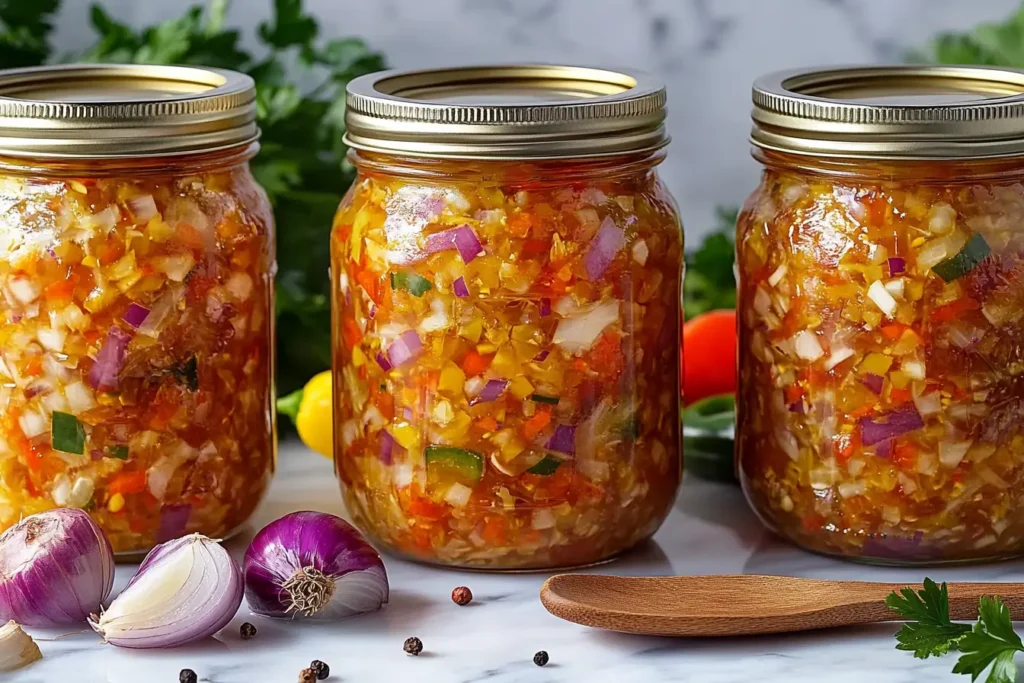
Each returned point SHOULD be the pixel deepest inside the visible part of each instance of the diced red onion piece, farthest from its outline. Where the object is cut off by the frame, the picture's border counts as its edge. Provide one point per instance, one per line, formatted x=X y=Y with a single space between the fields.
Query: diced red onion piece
x=545 y=307
x=109 y=360
x=373 y=311
x=429 y=207
x=404 y=349
x=462 y=238
x=873 y=382
x=461 y=290
x=491 y=391
x=563 y=440
x=883 y=449
x=173 y=520
x=798 y=407
x=407 y=413
x=383 y=362
x=135 y=315
x=542 y=356
x=387 y=446
x=889 y=425
x=898 y=547
x=607 y=243
x=897 y=265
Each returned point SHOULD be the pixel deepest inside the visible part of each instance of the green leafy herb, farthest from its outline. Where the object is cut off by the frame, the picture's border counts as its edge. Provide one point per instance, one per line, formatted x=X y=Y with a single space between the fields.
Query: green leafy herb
x=546 y=466
x=119 y=452
x=66 y=433
x=992 y=44
x=991 y=643
x=416 y=285
x=301 y=163
x=24 y=31
x=709 y=282
x=928 y=630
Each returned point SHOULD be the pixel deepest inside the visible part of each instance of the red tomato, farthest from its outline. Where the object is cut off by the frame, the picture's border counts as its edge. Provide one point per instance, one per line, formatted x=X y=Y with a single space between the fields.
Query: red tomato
x=709 y=355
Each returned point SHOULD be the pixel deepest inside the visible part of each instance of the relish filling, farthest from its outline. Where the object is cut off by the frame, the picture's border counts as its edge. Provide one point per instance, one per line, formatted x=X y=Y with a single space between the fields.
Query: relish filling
x=881 y=401
x=506 y=363
x=135 y=350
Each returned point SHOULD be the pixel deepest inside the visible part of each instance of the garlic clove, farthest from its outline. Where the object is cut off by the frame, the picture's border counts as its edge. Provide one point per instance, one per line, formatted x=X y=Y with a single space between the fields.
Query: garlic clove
x=17 y=649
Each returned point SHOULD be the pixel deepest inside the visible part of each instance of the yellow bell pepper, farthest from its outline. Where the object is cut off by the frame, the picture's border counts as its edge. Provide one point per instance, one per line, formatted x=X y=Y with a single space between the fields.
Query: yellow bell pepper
x=310 y=410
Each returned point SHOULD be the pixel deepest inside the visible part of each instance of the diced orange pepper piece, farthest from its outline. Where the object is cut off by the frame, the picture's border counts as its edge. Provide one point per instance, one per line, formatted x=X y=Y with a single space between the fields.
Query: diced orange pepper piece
x=62 y=290
x=793 y=393
x=893 y=331
x=34 y=365
x=487 y=424
x=537 y=423
x=494 y=531
x=904 y=455
x=519 y=224
x=474 y=364
x=954 y=309
x=127 y=483
x=369 y=282
x=900 y=395
x=351 y=333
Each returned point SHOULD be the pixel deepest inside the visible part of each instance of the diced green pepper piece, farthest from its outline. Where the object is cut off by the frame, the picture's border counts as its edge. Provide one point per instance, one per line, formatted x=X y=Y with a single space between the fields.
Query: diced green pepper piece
x=119 y=452
x=66 y=433
x=411 y=282
x=448 y=463
x=541 y=398
x=546 y=466
x=711 y=414
x=966 y=260
x=709 y=457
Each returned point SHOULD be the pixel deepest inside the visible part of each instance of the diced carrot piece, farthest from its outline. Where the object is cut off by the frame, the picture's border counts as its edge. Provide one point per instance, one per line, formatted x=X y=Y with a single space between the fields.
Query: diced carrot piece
x=62 y=290
x=519 y=224
x=893 y=331
x=351 y=333
x=904 y=455
x=487 y=424
x=532 y=248
x=494 y=531
x=34 y=365
x=793 y=393
x=900 y=395
x=371 y=283
x=474 y=364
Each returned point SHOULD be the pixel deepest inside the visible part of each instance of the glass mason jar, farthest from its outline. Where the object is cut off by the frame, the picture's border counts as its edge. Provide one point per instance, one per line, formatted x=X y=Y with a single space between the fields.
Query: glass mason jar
x=136 y=274
x=506 y=316
x=881 y=300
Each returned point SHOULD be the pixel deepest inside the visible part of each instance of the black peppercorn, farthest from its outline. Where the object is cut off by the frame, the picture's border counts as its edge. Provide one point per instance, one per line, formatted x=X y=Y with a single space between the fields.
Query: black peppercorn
x=320 y=668
x=462 y=596
x=307 y=676
x=247 y=631
x=541 y=658
x=187 y=676
x=413 y=646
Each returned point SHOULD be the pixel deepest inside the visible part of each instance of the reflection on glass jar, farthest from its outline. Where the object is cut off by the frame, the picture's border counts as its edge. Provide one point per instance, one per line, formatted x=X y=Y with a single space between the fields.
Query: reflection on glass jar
x=880 y=311
x=505 y=355
x=135 y=339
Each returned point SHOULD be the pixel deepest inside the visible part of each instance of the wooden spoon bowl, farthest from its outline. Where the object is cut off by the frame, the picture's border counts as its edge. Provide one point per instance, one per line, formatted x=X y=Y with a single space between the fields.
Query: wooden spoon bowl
x=733 y=605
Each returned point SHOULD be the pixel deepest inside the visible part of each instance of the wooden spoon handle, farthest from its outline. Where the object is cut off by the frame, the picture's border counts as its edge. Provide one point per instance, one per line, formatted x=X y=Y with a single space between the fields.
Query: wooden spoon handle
x=963 y=598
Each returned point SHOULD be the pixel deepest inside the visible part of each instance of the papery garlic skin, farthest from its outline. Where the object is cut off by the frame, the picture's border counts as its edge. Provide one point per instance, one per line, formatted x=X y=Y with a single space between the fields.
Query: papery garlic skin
x=17 y=649
x=185 y=590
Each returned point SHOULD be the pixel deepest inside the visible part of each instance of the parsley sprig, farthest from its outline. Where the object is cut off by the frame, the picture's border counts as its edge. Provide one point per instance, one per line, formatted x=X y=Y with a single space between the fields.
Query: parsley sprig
x=989 y=645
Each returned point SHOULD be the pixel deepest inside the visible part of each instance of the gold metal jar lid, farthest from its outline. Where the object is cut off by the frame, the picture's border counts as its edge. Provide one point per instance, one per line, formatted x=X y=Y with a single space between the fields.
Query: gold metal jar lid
x=117 y=111
x=506 y=112
x=892 y=112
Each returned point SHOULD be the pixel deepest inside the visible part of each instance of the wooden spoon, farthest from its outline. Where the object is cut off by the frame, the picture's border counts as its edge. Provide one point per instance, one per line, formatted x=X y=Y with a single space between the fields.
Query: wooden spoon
x=733 y=605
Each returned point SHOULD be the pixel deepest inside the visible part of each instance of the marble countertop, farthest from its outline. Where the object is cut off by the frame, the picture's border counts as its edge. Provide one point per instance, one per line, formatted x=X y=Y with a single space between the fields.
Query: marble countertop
x=494 y=639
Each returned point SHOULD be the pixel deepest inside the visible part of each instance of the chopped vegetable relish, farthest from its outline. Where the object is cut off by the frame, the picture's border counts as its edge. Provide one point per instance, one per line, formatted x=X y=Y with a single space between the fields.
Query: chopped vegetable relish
x=506 y=359
x=881 y=408
x=135 y=347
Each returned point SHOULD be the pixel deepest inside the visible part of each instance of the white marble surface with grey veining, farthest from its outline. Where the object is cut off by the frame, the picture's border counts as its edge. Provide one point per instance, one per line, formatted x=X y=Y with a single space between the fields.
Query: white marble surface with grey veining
x=707 y=51
x=494 y=639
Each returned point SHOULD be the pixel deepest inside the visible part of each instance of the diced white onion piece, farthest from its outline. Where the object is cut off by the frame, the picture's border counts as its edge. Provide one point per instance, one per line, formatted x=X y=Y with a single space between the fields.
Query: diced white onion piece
x=938 y=250
x=103 y=221
x=174 y=267
x=61 y=491
x=74 y=317
x=762 y=301
x=788 y=443
x=79 y=396
x=941 y=218
x=142 y=207
x=24 y=290
x=53 y=401
x=988 y=476
x=51 y=339
x=578 y=333
x=81 y=492
x=882 y=298
x=776 y=277
x=914 y=369
x=849 y=489
x=891 y=514
x=565 y=306
x=474 y=385
x=838 y=356
x=928 y=404
x=403 y=475
x=350 y=432
x=458 y=495
x=438 y=318
x=33 y=424
x=855 y=466
x=641 y=252
x=895 y=287
x=543 y=518
x=807 y=346
x=908 y=484
x=952 y=452
x=239 y=286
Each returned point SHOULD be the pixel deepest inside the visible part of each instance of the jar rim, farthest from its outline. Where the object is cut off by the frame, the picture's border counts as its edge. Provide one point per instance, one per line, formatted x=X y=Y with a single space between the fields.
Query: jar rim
x=893 y=112
x=515 y=111
x=124 y=111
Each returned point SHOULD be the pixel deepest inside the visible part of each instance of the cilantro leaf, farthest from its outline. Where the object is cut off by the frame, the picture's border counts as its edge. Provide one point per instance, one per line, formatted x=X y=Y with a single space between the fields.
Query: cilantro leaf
x=991 y=44
x=929 y=630
x=991 y=643
x=291 y=26
x=24 y=31
x=710 y=283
